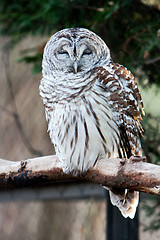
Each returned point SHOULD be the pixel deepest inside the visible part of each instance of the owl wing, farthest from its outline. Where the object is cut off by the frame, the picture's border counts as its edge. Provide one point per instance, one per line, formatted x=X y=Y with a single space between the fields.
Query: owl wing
x=124 y=98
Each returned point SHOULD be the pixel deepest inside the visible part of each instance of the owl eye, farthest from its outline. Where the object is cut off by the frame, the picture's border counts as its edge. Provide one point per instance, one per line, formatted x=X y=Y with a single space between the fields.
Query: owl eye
x=87 y=52
x=63 y=52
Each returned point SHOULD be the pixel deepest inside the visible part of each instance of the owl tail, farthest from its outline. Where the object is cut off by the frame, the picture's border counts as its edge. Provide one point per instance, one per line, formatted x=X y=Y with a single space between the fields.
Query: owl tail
x=126 y=200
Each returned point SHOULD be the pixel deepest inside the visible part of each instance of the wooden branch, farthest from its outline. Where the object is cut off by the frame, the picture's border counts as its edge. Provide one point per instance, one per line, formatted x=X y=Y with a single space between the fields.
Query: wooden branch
x=131 y=173
x=152 y=61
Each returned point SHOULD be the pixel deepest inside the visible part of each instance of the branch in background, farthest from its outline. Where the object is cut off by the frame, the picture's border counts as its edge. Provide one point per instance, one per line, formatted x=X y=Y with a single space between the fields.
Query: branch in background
x=131 y=173
x=152 y=61
x=97 y=9
x=14 y=112
x=133 y=37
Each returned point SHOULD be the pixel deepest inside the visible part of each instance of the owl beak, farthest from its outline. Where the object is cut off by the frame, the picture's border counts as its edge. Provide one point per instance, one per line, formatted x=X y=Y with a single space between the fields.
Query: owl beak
x=75 y=67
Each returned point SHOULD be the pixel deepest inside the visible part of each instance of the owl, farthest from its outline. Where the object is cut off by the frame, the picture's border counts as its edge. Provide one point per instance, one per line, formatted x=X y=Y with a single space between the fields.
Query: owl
x=93 y=106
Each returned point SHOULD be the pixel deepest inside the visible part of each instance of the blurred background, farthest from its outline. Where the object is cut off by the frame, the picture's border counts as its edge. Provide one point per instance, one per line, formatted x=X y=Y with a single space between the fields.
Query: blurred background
x=131 y=29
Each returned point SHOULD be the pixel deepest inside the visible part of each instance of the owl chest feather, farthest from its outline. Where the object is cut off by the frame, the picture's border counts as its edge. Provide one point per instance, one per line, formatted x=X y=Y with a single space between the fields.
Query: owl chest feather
x=83 y=132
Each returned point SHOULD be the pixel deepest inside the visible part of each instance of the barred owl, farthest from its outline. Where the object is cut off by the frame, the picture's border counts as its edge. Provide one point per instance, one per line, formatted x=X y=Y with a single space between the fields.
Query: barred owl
x=93 y=106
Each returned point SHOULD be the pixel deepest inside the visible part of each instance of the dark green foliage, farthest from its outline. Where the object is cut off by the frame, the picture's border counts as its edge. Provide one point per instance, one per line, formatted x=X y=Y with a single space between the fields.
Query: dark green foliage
x=152 y=210
x=151 y=138
x=151 y=149
x=128 y=27
x=36 y=59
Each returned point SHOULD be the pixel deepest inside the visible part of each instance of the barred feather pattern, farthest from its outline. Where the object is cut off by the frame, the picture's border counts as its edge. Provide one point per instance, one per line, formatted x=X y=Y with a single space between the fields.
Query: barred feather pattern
x=93 y=114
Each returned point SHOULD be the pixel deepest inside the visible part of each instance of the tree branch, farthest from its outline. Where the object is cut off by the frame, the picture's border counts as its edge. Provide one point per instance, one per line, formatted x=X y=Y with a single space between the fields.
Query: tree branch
x=131 y=173
x=152 y=61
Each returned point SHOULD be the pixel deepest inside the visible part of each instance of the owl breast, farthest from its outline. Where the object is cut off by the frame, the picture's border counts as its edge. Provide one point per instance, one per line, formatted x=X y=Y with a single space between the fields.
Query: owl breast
x=83 y=132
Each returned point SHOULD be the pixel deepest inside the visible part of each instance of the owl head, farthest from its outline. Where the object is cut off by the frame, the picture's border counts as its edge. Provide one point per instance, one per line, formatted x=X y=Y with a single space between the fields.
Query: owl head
x=74 y=50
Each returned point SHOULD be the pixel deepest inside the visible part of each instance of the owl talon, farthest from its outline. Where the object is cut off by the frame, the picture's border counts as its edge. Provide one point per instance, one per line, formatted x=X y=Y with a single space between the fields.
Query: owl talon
x=125 y=196
x=136 y=158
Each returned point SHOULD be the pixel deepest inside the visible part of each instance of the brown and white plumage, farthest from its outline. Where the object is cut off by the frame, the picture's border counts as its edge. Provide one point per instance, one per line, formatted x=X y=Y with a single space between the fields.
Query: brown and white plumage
x=92 y=106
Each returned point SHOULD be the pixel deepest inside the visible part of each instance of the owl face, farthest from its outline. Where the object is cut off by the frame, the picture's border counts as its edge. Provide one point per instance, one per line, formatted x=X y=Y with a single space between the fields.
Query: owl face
x=74 y=51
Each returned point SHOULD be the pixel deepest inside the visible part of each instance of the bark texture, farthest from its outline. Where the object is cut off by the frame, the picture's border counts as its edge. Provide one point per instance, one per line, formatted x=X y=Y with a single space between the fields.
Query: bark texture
x=133 y=173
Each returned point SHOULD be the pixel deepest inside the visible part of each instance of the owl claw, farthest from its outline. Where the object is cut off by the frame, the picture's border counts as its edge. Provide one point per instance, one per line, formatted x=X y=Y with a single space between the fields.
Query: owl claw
x=125 y=196
x=136 y=158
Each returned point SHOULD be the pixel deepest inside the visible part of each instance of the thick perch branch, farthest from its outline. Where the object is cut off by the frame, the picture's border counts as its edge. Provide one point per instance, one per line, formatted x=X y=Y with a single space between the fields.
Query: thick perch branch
x=131 y=173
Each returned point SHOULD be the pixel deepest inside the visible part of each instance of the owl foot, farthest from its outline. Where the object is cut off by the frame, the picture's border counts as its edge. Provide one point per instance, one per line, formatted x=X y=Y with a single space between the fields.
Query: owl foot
x=136 y=158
